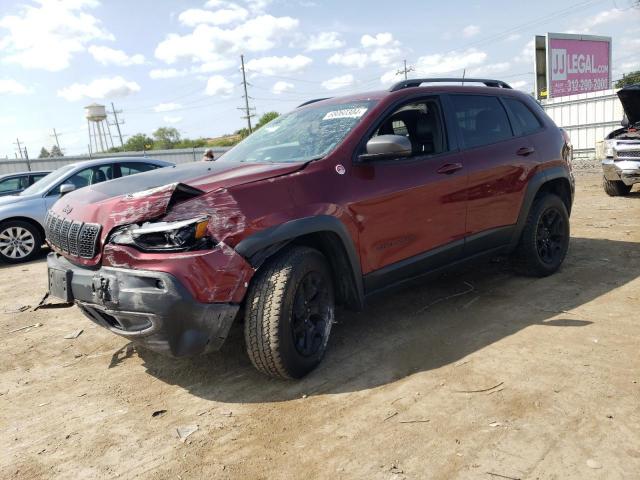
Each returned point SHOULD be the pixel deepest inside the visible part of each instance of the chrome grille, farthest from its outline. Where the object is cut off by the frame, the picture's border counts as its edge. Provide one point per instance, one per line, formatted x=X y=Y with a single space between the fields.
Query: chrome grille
x=76 y=238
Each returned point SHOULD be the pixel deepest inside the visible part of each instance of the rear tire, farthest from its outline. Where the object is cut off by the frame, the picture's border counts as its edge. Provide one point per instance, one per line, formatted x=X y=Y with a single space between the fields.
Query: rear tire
x=289 y=313
x=545 y=238
x=615 y=188
x=19 y=241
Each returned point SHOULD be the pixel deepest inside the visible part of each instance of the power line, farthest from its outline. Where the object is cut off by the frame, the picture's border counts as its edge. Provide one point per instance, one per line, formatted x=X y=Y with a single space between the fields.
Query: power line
x=247 y=115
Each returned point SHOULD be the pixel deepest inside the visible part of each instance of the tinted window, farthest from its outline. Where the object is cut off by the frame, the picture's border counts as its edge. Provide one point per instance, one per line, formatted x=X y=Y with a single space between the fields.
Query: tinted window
x=525 y=121
x=39 y=176
x=482 y=120
x=88 y=176
x=13 y=184
x=421 y=122
x=131 y=168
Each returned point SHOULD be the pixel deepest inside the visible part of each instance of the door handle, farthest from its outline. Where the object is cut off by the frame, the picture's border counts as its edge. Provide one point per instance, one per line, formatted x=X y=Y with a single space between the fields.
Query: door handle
x=524 y=151
x=449 y=168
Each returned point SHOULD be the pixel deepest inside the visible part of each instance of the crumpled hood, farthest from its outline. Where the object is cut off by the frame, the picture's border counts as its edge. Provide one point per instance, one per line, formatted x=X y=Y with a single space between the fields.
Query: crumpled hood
x=630 y=98
x=148 y=196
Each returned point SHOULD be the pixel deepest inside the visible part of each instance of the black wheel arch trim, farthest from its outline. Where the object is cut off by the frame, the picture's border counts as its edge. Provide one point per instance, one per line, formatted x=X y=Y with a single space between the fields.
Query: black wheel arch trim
x=261 y=245
x=534 y=186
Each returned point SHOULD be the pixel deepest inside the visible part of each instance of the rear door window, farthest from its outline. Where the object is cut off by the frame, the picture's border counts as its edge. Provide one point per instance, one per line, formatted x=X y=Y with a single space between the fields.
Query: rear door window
x=481 y=120
x=11 y=184
x=131 y=168
x=524 y=121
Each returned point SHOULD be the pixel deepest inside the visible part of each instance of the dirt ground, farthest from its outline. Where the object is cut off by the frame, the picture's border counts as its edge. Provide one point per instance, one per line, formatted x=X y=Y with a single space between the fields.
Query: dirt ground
x=478 y=374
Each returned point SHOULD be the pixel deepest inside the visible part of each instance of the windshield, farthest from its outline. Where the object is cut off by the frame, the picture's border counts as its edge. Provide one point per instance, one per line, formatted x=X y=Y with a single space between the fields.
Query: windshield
x=47 y=182
x=302 y=135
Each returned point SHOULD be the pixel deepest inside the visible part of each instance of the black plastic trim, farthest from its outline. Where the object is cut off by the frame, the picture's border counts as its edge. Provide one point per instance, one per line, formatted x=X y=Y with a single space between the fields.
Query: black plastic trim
x=279 y=235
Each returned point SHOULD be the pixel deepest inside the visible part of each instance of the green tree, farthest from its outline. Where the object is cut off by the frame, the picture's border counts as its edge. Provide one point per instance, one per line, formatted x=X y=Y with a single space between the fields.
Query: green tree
x=138 y=143
x=189 y=143
x=266 y=118
x=44 y=153
x=56 y=152
x=165 y=138
x=629 y=79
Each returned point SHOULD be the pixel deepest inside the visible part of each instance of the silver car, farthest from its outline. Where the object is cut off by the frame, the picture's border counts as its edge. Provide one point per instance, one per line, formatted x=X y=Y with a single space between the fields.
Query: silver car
x=14 y=183
x=621 y=167
x=22 y=216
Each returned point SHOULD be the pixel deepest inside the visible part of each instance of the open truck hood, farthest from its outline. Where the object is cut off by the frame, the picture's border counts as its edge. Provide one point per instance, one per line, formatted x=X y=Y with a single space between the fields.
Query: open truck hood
x=630 y=98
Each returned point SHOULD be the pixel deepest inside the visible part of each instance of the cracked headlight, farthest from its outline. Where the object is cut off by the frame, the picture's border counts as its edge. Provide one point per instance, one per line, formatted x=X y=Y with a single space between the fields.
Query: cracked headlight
x=609 y=148
x=178 y=236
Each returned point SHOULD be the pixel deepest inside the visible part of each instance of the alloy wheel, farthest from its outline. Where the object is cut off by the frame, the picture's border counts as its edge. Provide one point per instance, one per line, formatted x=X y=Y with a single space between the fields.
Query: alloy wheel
x=551 y=235
x=312 y=314
x=16 y=242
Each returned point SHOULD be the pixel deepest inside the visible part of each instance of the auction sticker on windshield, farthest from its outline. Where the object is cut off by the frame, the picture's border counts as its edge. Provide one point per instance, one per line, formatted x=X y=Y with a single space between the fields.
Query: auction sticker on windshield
x=345 y=113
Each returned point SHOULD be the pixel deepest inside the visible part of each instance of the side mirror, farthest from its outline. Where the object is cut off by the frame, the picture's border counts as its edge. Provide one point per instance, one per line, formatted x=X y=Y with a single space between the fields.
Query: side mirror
x=625 y=121
x=387 y=146
x=66 y=188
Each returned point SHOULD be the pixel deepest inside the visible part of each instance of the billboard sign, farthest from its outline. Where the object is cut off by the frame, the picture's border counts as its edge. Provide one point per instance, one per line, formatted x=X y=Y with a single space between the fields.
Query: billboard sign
x=573 y=64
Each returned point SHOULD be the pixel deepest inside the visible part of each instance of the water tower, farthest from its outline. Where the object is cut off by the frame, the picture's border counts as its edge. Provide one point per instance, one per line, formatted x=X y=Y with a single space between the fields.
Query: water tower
x=100 y=139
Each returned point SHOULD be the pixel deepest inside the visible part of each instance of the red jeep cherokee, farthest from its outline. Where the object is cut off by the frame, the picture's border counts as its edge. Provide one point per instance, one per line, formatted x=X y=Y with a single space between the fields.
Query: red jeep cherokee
x=328 y=204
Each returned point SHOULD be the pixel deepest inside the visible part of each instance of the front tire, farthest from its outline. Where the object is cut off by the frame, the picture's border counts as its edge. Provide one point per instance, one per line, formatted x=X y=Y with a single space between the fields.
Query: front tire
x=545 y=238
x=19 y=241
x=289 y=313
x=615 y=188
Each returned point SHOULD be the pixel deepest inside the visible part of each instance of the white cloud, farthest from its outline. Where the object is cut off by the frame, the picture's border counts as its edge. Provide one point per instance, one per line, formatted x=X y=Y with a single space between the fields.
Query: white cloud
x=169 y=119
x=48 y=35
x=99 y=89
x=196 y=16
x=208 y=44
x=277 y=65
x=438 y=63
x=281 y=86
x=527 y=54
x=489 y=69
x=111 y=56
x=605 y=16
x=338 y=82
x=470 y=31
x=160 y=73
x=380 y=40
x=11 y=86
x=166 y=107
x=325 y=41
x=350 y=59
x=218 y=85
x=513 y=37
x=382 y=50
x=520 y=85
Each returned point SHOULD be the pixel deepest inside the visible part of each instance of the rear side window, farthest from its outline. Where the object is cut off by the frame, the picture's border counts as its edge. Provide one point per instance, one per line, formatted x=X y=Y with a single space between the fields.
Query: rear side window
x=481 y=120
x=13 y=184
x=525 y=122
x=131 y=168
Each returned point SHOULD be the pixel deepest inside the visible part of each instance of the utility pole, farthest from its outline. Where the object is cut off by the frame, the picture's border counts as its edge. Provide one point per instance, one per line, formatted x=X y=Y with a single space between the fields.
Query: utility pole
x=26 y=156
x=117 y=123
x=17 y=142
x=55 y=134
x=246 y=108
x=405 y=70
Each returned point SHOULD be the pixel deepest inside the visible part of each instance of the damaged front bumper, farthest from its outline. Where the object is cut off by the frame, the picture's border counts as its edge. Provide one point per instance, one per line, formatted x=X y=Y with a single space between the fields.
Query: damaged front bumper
x=621 y=169
x=151 y=308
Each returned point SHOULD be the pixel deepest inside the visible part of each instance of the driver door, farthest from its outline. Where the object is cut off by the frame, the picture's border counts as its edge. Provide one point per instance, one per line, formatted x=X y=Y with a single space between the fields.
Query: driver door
x=412 y=209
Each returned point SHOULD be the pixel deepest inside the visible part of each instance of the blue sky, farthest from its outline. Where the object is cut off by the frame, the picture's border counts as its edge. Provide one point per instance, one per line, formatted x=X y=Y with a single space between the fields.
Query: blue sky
x=177 y=63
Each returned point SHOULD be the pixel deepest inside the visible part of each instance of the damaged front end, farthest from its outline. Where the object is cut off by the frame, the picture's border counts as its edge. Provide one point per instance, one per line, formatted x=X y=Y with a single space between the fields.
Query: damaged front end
x=161 y=274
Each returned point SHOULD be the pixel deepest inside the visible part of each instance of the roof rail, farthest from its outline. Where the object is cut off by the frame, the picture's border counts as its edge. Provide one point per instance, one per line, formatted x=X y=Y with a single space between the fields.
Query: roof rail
x=312 y=101
x=416 y=82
